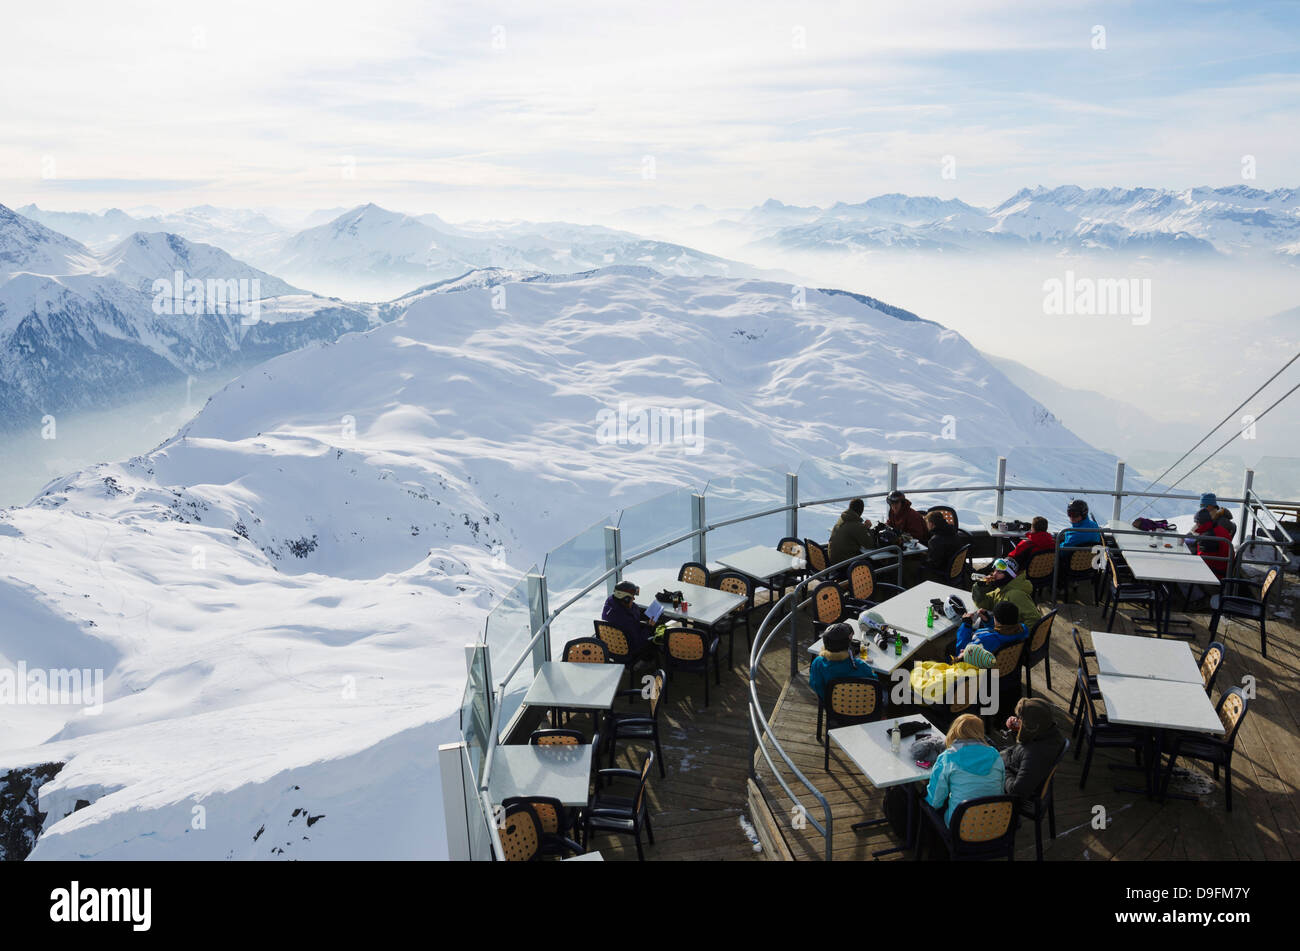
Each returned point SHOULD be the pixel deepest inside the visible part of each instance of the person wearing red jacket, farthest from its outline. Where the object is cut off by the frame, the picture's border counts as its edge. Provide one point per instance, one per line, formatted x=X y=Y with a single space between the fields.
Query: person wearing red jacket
x=904 y=518
x=1213 y=539
x=1036 y=542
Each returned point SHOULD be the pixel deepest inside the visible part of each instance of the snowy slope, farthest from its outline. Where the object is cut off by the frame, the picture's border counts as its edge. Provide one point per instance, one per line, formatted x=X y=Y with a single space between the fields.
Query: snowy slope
x=279 y=595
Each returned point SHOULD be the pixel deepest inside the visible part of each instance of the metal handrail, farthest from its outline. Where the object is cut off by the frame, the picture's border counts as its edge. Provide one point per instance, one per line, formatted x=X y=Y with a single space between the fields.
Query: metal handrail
x=527 y=652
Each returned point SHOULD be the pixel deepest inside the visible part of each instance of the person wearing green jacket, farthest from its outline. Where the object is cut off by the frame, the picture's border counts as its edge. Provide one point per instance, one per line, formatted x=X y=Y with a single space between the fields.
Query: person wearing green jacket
x=1004 y=585
x=851 y=534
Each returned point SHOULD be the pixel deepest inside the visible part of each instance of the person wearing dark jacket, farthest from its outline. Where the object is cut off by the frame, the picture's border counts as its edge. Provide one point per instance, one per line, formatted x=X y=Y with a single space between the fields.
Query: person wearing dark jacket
x=1038 y=744
x=624 y=613
x=943 y=545
x=851 y=534
x=904 y=518
x=1221 y=517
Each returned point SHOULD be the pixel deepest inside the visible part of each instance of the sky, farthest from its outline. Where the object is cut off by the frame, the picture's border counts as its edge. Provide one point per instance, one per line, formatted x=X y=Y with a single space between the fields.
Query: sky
x=574 y=110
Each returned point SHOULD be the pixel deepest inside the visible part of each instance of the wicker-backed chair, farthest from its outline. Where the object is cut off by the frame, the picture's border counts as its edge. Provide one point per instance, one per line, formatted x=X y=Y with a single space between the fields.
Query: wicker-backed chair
x=1078 y=569
x=816 y=555
x=1210 y=663
x=828 y=606
x=520 y=832
x=733 y=582
x=557 y=737
x=694 y=573
x=586 y=650
x=636 y=725
x=849 y=700
x=616 y=643
x=1231 y=605
x=1038 y=650
x=623 y=815
x=688 y=649
x=863 y=587
x=956 y=575
x=554 y=821
x=1043 y=803
x=947 y=511
x=1039 y=572
x=1098 y=731
x=787 y=579
x=1129 y=592
x=981 y=828
x=1212 y=749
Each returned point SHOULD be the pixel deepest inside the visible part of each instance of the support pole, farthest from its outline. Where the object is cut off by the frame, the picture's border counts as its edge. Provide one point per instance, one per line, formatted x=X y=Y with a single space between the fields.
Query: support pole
x=1002 y=485
x=1119 y=491
x=792 y=500
x=698 y=525
x=613 y=556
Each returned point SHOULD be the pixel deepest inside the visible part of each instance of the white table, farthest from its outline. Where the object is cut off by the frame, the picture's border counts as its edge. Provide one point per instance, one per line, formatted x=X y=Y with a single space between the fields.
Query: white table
x=912 y=550
x=902 y=611
x=707 y=605
x=556 y=772
x=867 y=744
x=761 y=563
x=585 y=857
x=1143 y=657
x=572 y=686
x=1157 y=706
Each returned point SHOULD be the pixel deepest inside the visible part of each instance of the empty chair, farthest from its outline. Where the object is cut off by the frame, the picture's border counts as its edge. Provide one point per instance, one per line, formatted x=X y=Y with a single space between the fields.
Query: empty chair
x=1098 y=731
x=1129 y=592
x=818 y=558
x=849 y=700
x=786 y=579
x=981 y=828
x=690 y=650
x=694 y=573
x=620 y=814
x=828 y=606
x=1229 y=603
x=1088 y=678
x=733 y=582
x=520 y=832
x=585 y=650
x=1038 y=650
x=1212 y=749
x=637 y=725
x=863 y=587
x=1210 y=663
x=557 y=737
x=555 y=824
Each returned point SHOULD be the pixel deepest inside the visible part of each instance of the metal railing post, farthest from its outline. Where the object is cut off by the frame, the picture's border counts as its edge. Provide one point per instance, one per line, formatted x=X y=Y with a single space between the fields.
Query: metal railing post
x=1119 y=491
x=799 y=590
x=792 y=500
x=613 y=556
x=538 y=612
x=1247 y=483
x=1002 y=484
x=699 y=526
x=893 y=475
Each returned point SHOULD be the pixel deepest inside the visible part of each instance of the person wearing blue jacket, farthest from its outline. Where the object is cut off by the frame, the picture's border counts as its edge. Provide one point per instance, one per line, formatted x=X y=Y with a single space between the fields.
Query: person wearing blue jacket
x=1005 y=629
x=836 y=660
x=968 y=768
x=1080 y=520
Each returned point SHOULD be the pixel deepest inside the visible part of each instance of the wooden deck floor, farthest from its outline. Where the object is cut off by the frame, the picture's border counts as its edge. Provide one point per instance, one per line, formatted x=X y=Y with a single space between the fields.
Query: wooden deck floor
x=700 y=811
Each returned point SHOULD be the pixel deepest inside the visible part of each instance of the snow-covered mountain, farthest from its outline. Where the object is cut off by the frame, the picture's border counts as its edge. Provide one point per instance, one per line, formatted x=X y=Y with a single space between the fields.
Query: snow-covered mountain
x=80 y=331
x=1235 y=220
x=331 y=528
x=373 y=253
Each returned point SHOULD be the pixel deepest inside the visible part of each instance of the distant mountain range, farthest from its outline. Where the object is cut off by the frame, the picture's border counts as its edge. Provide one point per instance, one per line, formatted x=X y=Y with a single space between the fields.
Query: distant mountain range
x=1236 y=220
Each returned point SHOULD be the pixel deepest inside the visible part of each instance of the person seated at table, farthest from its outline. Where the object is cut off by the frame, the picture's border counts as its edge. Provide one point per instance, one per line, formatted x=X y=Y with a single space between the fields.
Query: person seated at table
x=1005 y=584
x=904 y=518
x=1212 y=539
x=1220 y=516
x=1038 y=540
x=622 y=611
x=943 y=543
x=1038 y=744
x=1080 y=522
x=837 y=660
x=851 y=534
x=968 y=768
x=991 y=633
